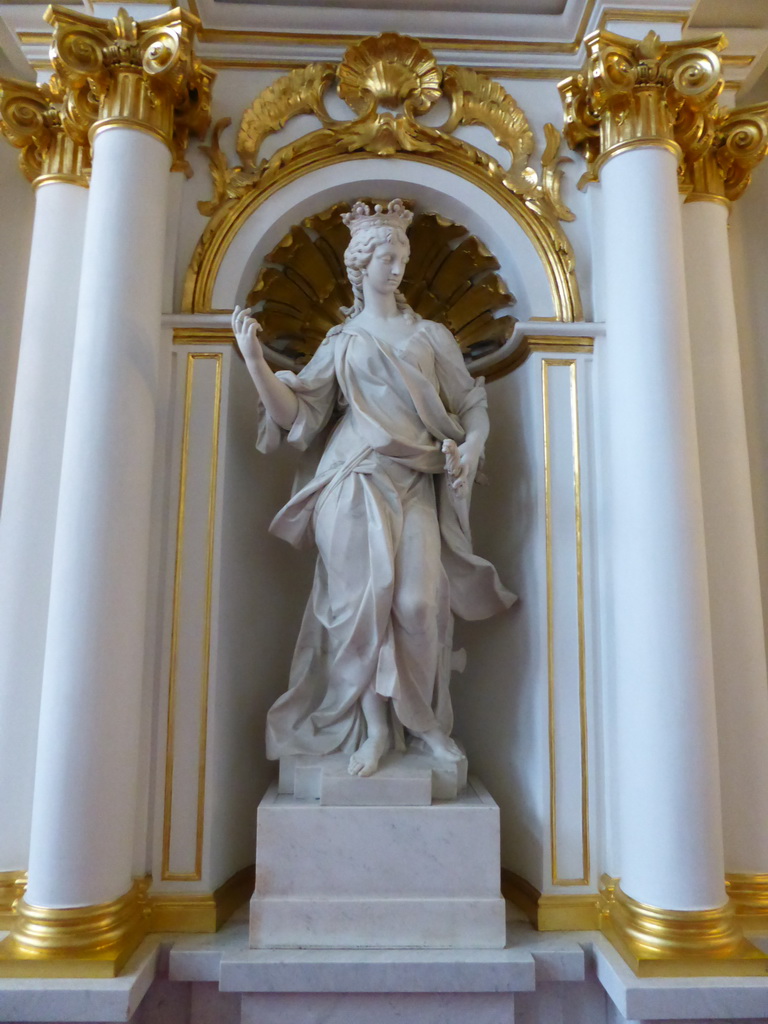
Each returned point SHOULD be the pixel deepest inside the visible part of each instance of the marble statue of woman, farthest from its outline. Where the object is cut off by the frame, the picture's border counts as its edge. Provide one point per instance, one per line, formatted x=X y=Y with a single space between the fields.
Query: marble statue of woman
x=387 y=509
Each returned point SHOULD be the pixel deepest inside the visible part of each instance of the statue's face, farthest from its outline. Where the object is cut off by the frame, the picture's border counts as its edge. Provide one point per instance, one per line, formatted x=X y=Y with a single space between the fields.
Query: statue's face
x=387 y=266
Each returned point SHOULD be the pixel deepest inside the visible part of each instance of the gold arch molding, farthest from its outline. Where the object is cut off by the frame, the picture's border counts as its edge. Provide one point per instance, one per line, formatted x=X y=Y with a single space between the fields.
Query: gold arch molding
x=389 y=82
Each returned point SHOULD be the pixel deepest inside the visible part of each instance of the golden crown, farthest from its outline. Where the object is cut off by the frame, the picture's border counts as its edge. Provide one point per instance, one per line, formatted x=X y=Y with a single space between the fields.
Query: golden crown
x=360 y=216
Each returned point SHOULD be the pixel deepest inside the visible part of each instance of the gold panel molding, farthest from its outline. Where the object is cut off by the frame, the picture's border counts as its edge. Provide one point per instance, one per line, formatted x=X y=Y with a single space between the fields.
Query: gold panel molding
x=645 y=93
x=675 y=943
x=553 y=345
x=571 y=366
x=402 y=76
x=142 y=75
x=193 y=359
x=82 y=942
x=552 y=912
x=30 y=120
x=451 y=278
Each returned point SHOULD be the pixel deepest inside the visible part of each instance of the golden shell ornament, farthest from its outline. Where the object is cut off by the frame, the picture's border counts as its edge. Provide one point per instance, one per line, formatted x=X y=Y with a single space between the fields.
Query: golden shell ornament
x=389 y=70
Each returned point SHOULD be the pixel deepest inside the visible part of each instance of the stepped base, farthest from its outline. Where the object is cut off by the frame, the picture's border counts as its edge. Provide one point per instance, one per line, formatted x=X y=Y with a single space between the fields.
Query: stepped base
x=398 y=877
x=412 y=779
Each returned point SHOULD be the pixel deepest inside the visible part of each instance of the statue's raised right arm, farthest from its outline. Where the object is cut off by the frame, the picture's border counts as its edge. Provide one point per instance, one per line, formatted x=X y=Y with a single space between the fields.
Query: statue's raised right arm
x=279 y=400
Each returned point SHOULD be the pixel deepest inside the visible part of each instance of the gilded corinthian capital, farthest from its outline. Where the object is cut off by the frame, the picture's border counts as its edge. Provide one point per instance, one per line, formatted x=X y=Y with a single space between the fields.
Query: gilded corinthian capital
x=719 y=165
x=142 y=75
x=30 y=120
x=633 y=93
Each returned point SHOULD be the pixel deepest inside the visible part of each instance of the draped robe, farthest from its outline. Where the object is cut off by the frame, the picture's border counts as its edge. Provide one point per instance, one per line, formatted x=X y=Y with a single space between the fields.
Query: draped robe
x=395 y=559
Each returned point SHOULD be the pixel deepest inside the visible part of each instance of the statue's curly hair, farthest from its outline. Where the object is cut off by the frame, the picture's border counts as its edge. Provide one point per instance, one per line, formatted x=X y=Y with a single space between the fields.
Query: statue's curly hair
x=358 y=255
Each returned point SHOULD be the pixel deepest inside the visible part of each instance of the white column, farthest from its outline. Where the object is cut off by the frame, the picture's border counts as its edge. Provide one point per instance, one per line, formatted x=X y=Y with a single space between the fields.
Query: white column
x=31 y=494
x=734 y=586
x=86 y=780
x=669 y=819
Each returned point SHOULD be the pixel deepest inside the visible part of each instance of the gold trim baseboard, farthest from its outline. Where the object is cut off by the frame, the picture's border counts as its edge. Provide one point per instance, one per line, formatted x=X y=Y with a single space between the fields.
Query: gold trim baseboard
x=748 y=894
x=12 y=886
x=552 y=912
x=199 y=912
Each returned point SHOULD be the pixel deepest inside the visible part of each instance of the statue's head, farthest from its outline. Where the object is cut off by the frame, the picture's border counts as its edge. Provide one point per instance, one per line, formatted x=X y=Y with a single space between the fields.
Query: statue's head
x=369 y=229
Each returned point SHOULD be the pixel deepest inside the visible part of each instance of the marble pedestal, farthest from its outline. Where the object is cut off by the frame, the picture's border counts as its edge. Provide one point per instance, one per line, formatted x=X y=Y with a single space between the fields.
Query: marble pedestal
x=398 y=877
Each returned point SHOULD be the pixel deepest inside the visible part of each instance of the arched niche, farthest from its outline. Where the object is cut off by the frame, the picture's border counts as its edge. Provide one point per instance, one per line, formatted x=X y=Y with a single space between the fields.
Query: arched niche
x=432 y=189
x=493 y=190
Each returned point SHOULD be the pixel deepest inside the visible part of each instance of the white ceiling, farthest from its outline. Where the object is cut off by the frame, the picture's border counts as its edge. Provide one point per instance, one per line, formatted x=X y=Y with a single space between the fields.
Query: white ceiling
x=527 y=7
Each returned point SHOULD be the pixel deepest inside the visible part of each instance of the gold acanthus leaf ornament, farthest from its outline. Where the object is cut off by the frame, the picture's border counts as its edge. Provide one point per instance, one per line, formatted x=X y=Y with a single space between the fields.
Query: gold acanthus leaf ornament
x=629 y=92
x=120 y=70
x=300 y=92
x=476 y=99
x=31 y=120
x=451 y=277
x=742 y=142
x=28 y=121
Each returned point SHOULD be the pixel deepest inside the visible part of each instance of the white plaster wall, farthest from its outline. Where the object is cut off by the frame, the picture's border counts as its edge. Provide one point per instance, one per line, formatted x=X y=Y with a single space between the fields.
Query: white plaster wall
x=17 y=205
x=263 y=584
x=748 y=232
x=161 y=515
x=500 y=700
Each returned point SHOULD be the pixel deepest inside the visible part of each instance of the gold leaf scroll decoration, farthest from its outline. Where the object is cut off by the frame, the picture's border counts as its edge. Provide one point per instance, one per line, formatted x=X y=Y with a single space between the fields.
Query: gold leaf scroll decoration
x=300 y=92
x=451 y=278
x=476 y=99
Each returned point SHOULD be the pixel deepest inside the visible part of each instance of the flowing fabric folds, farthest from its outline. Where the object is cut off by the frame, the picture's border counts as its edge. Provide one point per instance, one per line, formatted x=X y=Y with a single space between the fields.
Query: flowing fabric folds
x=395 y=558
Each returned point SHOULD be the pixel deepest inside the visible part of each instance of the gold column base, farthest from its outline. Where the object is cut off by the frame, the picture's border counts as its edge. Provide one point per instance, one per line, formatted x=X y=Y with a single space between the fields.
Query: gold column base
x=552 y=912
x=12 y=886
x=658 y=943
x=749 y=898
x=78 y=942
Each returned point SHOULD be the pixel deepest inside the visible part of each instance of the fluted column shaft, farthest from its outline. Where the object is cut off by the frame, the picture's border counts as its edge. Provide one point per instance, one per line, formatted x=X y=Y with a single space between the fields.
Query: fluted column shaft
x=141 y=90
x=734 y=585
x=633 y=111
x=665 y=729
x=57 y=165
x=31 y=493
x=86 y=778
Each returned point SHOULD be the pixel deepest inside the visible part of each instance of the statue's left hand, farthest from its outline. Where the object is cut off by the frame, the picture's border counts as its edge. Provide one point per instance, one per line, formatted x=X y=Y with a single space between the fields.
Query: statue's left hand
x=461 y=462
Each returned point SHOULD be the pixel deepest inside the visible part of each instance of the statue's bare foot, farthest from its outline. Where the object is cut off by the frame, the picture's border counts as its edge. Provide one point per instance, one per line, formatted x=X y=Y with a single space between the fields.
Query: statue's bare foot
x=365 y=759
x=442 y=746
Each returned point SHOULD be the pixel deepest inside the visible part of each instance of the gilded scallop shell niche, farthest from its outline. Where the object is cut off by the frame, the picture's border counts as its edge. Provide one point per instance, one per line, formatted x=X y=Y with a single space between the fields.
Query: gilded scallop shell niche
x=452 y=278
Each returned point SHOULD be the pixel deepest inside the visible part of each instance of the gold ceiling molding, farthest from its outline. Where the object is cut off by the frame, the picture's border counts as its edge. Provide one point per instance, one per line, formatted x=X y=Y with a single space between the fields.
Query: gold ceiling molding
x=398 y=74
x=657 y=16
x=142 y=75
x=30 y=120
x=640 y=93
x=451 y=278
